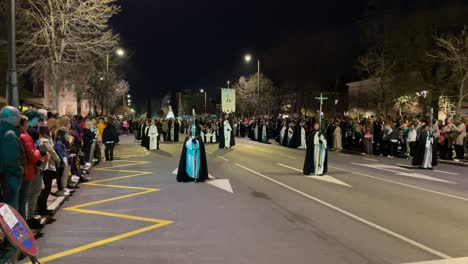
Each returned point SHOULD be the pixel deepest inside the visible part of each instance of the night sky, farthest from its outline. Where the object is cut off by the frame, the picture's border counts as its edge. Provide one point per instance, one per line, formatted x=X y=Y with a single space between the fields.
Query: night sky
x=188 y=44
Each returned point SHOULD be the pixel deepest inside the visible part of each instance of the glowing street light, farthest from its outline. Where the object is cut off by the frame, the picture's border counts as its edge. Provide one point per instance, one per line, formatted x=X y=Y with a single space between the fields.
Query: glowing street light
x=128 y=96
x=203 y=91
x=247 y=58
x=120 y=52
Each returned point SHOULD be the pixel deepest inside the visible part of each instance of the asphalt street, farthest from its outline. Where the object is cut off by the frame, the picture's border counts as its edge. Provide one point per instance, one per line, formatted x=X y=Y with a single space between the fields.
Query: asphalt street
x=366 y=210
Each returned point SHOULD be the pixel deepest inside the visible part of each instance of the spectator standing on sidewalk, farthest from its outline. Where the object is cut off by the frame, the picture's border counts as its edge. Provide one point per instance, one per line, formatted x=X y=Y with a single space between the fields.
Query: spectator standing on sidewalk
x=109 y=138
x=32 y=182
x=368 y=139
x=411 y=141
x=459 y=137
x=12 y=160
x=49 y=169
x=63 y=168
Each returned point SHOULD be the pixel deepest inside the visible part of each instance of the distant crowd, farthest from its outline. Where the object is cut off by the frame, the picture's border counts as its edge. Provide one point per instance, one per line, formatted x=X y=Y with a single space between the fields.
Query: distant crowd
x=384 y=136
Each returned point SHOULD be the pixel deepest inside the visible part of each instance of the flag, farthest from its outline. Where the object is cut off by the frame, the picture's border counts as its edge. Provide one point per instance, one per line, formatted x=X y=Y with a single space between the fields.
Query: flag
x=228 y=100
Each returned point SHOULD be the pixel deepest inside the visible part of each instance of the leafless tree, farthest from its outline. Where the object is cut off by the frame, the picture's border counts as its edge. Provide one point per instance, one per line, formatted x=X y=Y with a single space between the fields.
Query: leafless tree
x=379 y=68
x=453 y=50
x=247 y=94
x=56 y=35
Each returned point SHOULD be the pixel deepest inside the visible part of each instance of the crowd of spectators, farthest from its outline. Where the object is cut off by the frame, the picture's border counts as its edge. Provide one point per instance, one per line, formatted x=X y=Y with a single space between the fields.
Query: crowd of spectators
x=41 y=149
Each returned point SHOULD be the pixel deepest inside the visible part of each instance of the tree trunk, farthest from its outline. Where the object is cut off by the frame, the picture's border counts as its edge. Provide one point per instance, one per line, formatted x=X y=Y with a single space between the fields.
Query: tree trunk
x=78 y=103
x=56 y=93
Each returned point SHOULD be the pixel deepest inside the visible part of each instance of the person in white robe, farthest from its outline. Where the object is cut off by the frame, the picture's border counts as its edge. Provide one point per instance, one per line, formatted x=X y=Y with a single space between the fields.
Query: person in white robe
x=153 y=135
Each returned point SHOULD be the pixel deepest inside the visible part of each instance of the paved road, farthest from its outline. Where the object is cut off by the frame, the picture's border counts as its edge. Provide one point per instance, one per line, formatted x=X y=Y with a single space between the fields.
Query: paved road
x=369 y=210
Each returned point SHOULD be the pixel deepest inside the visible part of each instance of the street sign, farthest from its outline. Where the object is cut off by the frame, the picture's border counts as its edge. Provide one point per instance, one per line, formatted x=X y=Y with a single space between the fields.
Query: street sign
x=17 y=231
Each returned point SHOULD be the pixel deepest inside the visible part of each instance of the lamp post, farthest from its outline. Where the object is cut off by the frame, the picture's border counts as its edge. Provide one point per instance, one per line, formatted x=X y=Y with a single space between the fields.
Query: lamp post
x=12 y=80
x=228 y=82
x=247 y=59
x=120 y=53
x=204 y=91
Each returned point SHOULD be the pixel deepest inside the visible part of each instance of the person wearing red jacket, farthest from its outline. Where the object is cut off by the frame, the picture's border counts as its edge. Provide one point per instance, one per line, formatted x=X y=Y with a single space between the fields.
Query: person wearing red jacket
x=30 y=178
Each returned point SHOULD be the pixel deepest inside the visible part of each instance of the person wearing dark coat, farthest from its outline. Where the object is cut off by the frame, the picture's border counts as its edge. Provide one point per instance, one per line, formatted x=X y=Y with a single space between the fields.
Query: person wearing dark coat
x=296 y=136
x=316 y=145
x=176 y=130
x=188 y=156
x=426 y=151
x=109 y=138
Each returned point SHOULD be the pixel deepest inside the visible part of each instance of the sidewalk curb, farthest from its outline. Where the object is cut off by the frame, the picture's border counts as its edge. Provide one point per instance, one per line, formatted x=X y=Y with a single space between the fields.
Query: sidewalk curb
x=56 y=204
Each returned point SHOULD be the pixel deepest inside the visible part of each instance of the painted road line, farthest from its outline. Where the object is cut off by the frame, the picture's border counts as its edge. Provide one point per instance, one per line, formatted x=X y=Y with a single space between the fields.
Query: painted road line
x=209 y=152
x=369 y=159
x=446 y=172
x=402 y=184
x=79 y=209
x=344 y=155
x=325 y=178
x=444 y=261
x=286 y=156
x=222 y=184
x=440 y=171
x=351 y=215
x=223 y=158
x=407 y=173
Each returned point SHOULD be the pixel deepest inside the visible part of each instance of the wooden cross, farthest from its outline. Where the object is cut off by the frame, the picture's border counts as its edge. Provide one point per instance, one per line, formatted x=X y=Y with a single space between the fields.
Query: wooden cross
x=321 y=98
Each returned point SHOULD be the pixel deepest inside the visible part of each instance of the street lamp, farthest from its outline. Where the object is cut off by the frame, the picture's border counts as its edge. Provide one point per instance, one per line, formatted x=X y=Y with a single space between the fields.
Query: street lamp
x=12 y=80
x=203 y=91
x=247 y=59
x=228 y=82
x=423 y=94
x=120 y=52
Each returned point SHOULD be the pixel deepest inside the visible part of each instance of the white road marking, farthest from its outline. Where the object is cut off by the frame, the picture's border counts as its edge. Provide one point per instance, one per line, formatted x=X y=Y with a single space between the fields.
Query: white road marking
x=444 y=261
x=223 y=158
x=402 y=184
x=209 y=152
x=209 y=175
x=369 y=159
x=325 y=178
x=286 y=156
x=413 y=167
x=222 y=184
x=345 y=155
x=394 y=169
x=351 y=215
x=446 y=172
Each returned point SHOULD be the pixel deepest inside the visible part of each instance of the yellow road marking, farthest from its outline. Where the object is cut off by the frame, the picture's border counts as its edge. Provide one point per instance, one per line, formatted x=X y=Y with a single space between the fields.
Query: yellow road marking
x=79 y=209
x=123 y=177
x=103 y=242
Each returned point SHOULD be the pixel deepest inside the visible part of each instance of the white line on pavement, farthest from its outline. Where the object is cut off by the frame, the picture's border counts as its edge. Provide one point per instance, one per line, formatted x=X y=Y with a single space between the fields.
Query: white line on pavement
x=446 y=172
x=369 y=159
x=223 y=158
x=286 y=156
x=353 y=216
x=444 y=261
x=325 y=178
x=259 y=149
x=403 y=184
x=345 y=155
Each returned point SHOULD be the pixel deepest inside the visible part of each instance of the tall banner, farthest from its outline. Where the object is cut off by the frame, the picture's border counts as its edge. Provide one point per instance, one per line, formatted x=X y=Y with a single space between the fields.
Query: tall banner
x=228 y=99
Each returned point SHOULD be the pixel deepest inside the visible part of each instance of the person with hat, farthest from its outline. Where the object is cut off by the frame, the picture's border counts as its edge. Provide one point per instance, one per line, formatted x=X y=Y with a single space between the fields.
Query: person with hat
x=11 y=157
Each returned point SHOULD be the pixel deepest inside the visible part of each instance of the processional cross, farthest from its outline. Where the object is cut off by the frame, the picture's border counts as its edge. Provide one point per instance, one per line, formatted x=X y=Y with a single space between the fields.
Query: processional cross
x=321 y=98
